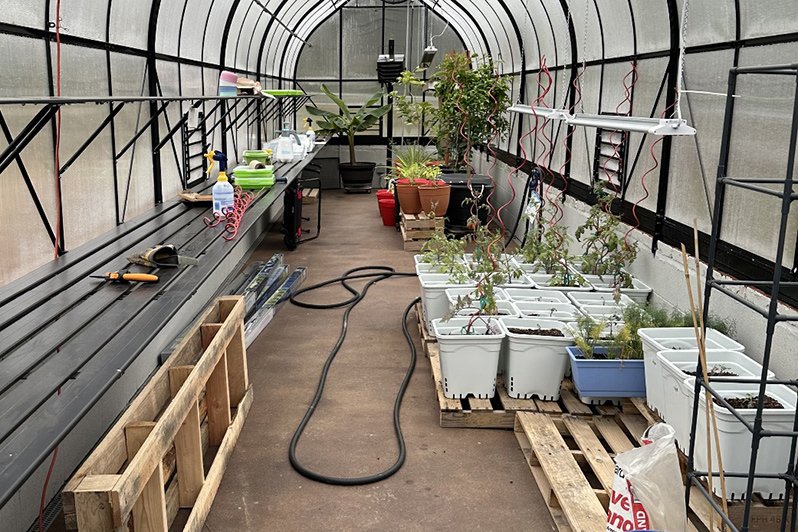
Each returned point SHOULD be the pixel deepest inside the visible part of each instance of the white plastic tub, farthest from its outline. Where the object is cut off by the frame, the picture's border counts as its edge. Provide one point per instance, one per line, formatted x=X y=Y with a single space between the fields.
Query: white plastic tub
x=433 y=295
x=735 y=439
x=548 y=311
x=535 y=294
x=580 y=299
x=535 y=365
x=677 y=407
x=469 y=362
x=612 y=313
x=463 y=291
x=656 y=339
x=504 y=308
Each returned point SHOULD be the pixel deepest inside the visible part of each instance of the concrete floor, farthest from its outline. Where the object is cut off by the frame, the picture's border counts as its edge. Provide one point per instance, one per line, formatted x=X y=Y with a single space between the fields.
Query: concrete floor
x=453 y=479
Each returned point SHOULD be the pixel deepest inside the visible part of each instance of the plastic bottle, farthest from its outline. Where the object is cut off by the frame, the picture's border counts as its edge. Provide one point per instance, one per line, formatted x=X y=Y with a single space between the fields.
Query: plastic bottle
x=285 y=146
x=222 y=192
x=310 y=135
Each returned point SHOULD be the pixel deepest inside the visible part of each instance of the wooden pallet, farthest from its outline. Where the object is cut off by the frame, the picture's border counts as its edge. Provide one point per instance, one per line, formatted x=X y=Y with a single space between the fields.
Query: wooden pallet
x=499 y=412
x=198 y=399
x=310 y=196
x=571 y=459
x=417 y=229
x=426 y=337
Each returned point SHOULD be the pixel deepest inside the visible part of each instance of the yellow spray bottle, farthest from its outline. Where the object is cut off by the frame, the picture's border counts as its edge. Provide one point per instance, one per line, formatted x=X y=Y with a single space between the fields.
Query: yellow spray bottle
x=223 y=194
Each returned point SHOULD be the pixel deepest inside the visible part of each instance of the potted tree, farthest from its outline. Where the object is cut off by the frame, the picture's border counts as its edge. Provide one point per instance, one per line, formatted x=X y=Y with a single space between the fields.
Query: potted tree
x=353 y=173
x=472 y=105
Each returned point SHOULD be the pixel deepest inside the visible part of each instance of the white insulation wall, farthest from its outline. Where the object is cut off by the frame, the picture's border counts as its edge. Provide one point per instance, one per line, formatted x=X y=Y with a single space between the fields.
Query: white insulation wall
x=665 y=274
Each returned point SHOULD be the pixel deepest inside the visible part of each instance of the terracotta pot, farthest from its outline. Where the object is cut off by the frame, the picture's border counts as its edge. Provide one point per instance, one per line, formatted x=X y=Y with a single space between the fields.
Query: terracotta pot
x=408 y=198
x=429 y=195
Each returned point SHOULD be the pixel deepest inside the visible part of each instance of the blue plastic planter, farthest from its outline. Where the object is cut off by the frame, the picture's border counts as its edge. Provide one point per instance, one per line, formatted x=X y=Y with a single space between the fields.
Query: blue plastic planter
x=607 y=378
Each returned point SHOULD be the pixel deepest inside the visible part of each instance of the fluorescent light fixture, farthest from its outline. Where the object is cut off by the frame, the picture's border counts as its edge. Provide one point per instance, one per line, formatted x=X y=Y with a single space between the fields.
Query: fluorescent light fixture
x=652 y=126
x=542 y=112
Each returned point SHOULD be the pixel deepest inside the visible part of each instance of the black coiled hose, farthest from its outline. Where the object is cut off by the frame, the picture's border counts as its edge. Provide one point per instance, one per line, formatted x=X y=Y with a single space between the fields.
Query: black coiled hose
x=383 y=272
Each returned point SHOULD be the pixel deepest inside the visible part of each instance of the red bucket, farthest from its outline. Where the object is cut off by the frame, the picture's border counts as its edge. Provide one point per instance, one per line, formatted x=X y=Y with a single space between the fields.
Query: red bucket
x=384 y=194
x=388 y=210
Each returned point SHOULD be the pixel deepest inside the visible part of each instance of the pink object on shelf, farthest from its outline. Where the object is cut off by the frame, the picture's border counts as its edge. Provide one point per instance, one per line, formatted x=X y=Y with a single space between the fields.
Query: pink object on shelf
x=228 y=77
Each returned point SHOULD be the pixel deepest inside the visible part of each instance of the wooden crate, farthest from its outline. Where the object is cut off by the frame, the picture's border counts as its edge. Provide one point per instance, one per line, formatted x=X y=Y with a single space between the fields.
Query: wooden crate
x=310 y=196
x=417 y=229
x=129 y=474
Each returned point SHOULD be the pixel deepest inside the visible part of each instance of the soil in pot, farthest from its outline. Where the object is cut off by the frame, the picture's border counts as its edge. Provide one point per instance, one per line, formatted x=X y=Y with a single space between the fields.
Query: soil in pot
x=408 y=198
x=435 y=196
x=750 y=402
x=717 y=371
x=537 y=332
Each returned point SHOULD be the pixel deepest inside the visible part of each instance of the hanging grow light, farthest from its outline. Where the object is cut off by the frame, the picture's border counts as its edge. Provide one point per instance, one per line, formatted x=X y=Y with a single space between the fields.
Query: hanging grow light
x=543 y=112
x=652 y=126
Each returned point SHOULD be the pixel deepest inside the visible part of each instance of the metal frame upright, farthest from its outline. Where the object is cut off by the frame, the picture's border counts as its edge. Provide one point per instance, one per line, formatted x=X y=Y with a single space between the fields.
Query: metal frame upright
x=787 y=193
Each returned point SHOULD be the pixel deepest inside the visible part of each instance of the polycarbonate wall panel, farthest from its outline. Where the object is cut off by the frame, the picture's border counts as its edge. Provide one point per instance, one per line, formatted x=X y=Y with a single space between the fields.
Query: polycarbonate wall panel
x=243 y=10
x=652 y=23
x=249 y=44
x=584 y=139
x=616 y=22
x=759 y=148
x=768 y=17
x=687 y=194
x=87 y=21
x=361 y=43
x=168 y=30
x=320 y=60
x=709 y=22
x=90 y=181
x=29 y=13
x=135 y=180
x=130 y=27
x=557 y=24
x=215 y=30
x=589 y=41
x=194 y=28
x=23 y=60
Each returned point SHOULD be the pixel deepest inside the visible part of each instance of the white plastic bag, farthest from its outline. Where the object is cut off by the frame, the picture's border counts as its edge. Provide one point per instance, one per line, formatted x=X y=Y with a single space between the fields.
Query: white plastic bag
x=652 y=475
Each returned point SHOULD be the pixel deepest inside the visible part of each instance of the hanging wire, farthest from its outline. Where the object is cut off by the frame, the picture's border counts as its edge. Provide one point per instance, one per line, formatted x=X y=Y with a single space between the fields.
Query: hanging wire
x=680 y=72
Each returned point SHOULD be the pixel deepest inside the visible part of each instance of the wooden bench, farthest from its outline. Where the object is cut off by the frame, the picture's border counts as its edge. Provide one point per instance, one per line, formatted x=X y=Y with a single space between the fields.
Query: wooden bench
x=66 y=339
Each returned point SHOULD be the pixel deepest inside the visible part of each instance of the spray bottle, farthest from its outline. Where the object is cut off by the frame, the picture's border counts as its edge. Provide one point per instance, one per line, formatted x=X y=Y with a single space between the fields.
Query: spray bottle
x=310 y=136
x=223 y=194
x=285 y=144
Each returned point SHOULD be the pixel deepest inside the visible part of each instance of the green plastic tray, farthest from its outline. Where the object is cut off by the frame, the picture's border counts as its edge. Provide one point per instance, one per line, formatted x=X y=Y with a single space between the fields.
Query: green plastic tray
x=247 y=172
x=255 y=182
x=283 y=92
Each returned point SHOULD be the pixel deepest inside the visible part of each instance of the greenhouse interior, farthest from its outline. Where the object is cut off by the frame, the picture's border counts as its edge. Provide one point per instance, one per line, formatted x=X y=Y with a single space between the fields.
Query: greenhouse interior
x=571 y=306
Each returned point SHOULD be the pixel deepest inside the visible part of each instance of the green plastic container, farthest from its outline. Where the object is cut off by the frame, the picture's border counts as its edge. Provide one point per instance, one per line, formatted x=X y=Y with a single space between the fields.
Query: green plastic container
x=247 y=172
x=255 y=182
x=246 y=177
x=255 y=155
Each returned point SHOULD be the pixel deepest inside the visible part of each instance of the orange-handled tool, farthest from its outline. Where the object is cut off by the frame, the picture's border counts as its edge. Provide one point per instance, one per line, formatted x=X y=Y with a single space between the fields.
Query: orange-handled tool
x=126 y=277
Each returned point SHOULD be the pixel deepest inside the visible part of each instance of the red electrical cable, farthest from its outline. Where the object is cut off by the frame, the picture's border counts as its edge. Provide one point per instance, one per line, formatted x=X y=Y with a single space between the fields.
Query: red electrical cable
x=569 y=134
x=643 y=181
x=57 y=125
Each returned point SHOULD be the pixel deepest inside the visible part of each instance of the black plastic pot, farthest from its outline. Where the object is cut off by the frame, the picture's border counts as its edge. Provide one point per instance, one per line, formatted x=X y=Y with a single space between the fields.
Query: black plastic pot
x=357 y=176
x=457 y=213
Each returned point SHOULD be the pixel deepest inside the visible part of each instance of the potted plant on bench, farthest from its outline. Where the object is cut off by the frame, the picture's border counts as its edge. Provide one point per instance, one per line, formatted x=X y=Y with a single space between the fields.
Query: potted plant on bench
x=353 y=174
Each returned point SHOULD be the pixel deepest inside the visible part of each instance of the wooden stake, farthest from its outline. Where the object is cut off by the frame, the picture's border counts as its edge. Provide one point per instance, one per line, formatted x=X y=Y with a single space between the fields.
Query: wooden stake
x=703 y=353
